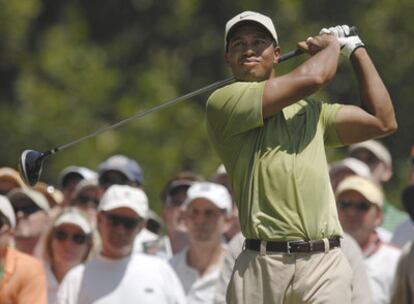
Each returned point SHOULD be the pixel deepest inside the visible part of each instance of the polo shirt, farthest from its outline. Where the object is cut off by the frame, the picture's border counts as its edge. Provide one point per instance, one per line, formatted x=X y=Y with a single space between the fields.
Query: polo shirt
x=277 y=166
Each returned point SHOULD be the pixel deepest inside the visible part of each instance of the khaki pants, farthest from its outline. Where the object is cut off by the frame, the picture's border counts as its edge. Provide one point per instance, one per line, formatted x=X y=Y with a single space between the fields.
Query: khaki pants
x=274 y=278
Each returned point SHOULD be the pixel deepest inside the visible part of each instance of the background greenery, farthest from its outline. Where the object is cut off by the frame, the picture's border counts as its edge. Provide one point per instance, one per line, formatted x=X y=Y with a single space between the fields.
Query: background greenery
x=68 y=67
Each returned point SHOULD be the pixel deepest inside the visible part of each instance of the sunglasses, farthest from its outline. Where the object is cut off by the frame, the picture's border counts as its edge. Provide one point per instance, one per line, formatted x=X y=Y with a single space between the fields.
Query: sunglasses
x=85 y=200
x=127 y=222
x=107 y=180
x=362 y=206
x=77 y=238
x=26 y=209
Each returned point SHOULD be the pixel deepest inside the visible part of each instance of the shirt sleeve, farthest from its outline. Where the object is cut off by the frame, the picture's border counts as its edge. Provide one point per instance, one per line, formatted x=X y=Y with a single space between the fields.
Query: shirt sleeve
x=235 y=109
x=35 y=285
x=328 y=120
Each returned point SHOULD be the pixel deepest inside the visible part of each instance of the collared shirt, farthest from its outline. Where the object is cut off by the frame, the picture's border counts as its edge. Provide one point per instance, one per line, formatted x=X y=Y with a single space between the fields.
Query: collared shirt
x=278 y=166
x=23 y=280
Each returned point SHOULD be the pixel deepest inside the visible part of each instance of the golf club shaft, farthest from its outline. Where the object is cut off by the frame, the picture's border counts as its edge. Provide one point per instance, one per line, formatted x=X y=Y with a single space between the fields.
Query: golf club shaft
x=202 y=90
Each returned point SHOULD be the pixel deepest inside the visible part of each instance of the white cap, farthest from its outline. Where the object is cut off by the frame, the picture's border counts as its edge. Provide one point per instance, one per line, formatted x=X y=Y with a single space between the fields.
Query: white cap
x=84 y=172
x=263 y=20
x=366 y=187
x=355 y=165
x=85 y=184
x=215 y=193
x=7 y=210
x=36 y=197
x=123 y=196
x=376 y=148
x=73 y=217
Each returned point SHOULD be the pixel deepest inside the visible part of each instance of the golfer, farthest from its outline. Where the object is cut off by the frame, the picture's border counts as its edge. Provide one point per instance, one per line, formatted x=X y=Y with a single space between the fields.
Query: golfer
x=272 y=141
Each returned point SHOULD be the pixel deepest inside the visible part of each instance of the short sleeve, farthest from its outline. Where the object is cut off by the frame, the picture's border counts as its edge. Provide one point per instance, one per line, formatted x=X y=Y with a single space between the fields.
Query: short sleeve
x=235 y=109
x=328 y=121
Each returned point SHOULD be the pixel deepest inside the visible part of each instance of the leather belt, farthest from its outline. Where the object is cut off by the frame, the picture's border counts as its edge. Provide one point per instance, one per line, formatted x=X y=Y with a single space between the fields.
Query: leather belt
x=294 y=246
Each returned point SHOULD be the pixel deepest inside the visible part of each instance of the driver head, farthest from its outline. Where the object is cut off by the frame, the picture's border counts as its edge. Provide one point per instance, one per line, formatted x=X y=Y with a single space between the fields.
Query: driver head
x=30 y=166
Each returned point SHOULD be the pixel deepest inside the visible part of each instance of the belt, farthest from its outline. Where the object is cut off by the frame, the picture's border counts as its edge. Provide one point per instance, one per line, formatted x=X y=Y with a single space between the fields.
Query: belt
x=294 y=246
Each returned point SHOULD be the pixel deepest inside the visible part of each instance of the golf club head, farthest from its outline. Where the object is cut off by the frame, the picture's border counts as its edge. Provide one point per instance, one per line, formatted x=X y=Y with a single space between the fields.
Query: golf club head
x=30 y=166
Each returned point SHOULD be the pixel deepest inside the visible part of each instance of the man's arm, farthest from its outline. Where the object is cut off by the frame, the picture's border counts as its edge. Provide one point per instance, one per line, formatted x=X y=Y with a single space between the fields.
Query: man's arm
x=306 y=79
x=376 y=117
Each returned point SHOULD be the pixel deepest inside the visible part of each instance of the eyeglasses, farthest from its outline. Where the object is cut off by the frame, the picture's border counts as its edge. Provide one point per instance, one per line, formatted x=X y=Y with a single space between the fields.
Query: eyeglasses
x=85 y=200
x=77 y=238
x=128 y=222
x=26 y=209
x=3 y=221
x=362 y=206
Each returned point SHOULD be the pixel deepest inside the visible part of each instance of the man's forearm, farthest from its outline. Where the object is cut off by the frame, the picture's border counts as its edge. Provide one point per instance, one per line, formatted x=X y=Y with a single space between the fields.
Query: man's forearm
x=375 y=98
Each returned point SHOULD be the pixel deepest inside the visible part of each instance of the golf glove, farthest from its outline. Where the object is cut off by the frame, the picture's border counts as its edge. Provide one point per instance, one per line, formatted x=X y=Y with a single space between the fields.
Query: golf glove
x=348 y=41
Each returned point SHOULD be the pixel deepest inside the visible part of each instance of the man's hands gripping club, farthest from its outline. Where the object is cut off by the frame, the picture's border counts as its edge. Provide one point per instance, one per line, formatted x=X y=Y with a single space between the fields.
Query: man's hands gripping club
x=347 y=37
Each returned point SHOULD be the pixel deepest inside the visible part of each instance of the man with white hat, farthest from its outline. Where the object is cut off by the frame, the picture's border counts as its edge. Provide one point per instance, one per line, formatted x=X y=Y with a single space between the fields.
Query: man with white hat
x=360 y=202
x=116 y=275
x=272 y=139
x=208 y=209
x=22 y=277
x=32 y=214
x=9 y=180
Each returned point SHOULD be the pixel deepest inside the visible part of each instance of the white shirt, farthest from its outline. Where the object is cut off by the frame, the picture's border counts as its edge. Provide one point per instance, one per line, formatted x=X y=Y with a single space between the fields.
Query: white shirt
x=151 y=243
x=52 y=284
x=134 y=279
x=198 y=289
x=381 y=266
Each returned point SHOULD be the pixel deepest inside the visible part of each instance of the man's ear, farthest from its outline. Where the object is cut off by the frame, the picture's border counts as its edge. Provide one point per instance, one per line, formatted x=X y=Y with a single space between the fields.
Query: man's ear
x=276 y=52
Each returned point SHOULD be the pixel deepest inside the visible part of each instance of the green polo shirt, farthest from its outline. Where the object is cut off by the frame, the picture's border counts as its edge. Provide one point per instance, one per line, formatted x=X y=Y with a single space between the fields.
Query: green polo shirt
x=277 y=166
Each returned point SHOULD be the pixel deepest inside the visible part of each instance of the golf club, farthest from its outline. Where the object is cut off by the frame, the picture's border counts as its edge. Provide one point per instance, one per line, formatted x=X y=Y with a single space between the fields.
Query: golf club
x=31 y=161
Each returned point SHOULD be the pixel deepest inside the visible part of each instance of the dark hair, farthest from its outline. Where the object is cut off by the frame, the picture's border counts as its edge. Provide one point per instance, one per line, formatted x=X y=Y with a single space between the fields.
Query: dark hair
x=407 y=199
x=181 y=176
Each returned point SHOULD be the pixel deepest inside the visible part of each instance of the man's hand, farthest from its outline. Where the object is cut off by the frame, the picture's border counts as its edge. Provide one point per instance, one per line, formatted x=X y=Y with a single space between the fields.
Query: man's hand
x=313 y=45
x=348 y=42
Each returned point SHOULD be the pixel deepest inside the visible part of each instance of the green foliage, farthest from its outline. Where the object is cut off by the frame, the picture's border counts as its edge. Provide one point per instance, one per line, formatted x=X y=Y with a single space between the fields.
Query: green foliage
x=70 y=67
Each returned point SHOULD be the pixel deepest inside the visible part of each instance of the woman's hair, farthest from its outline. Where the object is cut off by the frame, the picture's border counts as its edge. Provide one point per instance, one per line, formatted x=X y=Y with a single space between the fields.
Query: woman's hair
x=47 y=253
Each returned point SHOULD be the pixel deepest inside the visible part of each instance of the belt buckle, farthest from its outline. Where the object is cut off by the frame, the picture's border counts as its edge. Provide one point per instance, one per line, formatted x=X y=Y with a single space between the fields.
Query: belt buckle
x=289 y=246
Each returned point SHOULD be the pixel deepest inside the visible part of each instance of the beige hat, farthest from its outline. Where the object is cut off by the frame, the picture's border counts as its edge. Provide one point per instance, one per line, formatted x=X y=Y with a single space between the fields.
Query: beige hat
x=73 y=217
x=122 y=196
x=38 y=198
x=366 y=187
x=355 y=165
x=263 y=20
x=52 y=194
x=215 y=193
x=7 y=210
x=12 y=175
x=376 y=148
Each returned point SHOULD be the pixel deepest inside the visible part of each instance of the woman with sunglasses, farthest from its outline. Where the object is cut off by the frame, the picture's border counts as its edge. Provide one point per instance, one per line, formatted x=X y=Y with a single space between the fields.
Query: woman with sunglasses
x=67 y=243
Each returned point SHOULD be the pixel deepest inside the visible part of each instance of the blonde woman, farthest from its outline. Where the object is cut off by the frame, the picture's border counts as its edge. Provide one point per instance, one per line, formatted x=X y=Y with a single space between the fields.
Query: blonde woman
x=67 y=243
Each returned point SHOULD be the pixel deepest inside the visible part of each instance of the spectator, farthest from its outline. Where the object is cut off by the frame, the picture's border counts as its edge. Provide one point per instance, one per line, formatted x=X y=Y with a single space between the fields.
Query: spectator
x=405 y=231
x=378 y=158
x=116 y=275
x=359 y=206
x=172 y=198
x=221 y=177
x=120 y=170
x=9 y=180
x=346 y=167
x=67 y=243
x=86 y=196
x=32 y=214
x=54 y=196
x=70 y=176
x=208 y=207
x=22 y=278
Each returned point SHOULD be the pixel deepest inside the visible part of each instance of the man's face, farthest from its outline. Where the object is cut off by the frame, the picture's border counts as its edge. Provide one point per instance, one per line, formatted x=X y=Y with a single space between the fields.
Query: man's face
x=6 y=185
x=380 y=171
x=358 y=216
x=205 y=221
x=173 y=209
x=113 y=177
x=31 y=219
x=251 y=53
x=6 y=233
x=118 y=228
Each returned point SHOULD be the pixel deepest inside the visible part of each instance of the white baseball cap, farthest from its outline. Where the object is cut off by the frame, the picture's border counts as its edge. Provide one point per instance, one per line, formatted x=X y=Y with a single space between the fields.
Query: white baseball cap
x=366 y=187
x=7 y=210
x=123 y=196
x=355 y=165
x=36 y=197
x=215 y=193
x=73 y=217
x=263 y=20
x=376 y=148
